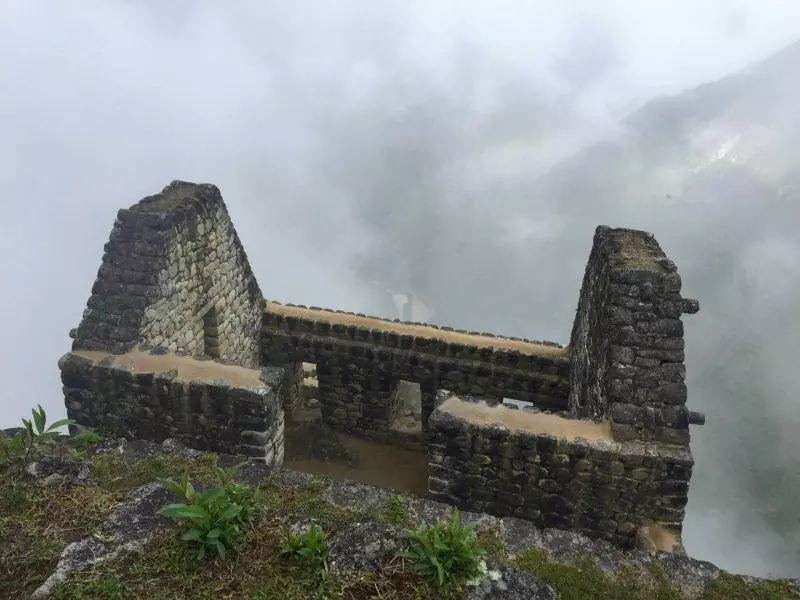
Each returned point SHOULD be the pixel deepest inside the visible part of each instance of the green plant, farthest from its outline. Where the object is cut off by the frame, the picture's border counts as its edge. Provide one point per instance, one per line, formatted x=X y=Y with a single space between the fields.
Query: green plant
x=217 y=516
x=446 y=553
x=242 y=494
x=12 y=450
x=33 y=438
x=395 y=511
x=85 y=439
x=309 y=549
x=155 y=463
x=76 y=454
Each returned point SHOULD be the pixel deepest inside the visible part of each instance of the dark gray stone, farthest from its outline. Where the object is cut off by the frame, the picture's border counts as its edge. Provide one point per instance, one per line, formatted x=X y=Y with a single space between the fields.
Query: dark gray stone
x=365 y=547
x=507 y=583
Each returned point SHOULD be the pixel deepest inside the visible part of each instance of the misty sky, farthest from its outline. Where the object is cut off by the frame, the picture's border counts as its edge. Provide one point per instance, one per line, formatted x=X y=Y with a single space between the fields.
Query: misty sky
x=334 y=130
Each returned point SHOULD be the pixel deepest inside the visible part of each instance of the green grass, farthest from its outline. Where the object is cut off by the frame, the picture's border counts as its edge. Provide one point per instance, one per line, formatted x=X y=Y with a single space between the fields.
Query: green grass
x=396 y=512
x=491 y=541
x=37 y=523
x=168 y=569
x=114 y=473
x=730 y=587
x=584 y=581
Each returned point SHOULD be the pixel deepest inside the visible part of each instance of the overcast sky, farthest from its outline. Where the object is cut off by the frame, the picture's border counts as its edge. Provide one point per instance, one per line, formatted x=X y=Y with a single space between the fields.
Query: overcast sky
x=290 y=107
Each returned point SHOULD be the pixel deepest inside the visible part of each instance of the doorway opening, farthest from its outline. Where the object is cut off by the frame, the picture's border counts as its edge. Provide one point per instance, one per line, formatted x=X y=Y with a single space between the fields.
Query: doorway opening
x=406 y=413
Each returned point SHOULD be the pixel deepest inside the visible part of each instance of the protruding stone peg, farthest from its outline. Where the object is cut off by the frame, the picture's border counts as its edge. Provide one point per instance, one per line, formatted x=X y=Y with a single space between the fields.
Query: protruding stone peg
x=690 y=306
x=697 y=418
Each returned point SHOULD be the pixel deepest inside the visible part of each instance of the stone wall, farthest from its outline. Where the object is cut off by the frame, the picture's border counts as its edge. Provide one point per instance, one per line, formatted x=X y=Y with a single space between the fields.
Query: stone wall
x=235 y=412
x=359 y=369
x=174 y=274
x=627 y=341
x=600 y=487
x=292 y=390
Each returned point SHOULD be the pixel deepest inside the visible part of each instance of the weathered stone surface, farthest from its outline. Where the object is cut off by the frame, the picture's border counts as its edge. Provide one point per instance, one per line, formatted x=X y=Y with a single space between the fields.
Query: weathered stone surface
x=506 y=583
x=365 y=547
x=519 y=535
x=47 y=466
x=356 y=495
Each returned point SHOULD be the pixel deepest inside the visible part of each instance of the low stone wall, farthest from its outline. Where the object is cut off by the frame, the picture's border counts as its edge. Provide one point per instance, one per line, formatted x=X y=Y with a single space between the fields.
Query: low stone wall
x=514 y=353
x=515 y=467
x=627 y=341
x=204 y=404
x=357 y=379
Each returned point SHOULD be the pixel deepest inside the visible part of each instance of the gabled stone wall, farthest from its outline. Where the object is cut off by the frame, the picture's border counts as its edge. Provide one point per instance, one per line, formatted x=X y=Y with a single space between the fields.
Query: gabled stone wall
x=174 y=274
x=627 y=341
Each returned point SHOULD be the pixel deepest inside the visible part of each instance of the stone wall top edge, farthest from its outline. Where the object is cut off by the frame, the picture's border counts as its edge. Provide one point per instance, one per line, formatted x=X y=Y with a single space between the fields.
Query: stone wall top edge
x=319 y=342
x=388 y=323
x=174 y=200
x=565 y=445
x=262 y=381
x=633 y=250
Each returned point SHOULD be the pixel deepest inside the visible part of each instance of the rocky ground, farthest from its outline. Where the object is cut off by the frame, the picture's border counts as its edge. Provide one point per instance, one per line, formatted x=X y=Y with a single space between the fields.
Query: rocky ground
x=86 y=526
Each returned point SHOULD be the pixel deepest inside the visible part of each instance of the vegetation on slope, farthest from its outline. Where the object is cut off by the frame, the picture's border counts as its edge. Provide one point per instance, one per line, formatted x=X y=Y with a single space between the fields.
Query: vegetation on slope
x=39 y=517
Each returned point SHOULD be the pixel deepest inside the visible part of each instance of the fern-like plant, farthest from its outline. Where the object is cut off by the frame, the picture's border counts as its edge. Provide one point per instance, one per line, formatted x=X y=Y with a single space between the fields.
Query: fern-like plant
x=310 y=550
x=32 y=440
x=446 y=554
x=217 y=517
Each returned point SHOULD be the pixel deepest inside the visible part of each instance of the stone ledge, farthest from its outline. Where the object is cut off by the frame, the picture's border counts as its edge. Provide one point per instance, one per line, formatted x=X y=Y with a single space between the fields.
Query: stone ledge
x=336 y=324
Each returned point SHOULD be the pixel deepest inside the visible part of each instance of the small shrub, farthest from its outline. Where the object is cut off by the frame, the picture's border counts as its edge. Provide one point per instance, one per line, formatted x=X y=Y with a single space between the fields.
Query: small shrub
x=447 y=554
x=32 y=440
x=217 y=516
x=310 y=550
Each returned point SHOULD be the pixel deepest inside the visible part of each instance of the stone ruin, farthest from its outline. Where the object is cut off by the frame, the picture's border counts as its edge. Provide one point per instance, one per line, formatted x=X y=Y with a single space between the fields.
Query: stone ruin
x=177 y=341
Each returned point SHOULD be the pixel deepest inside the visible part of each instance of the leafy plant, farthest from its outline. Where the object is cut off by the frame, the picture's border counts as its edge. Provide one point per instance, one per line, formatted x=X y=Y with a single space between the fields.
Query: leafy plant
x=12 y=450
x=32 y=440
x=242 y=494
x=309 y=549
x=217 y=516
x=447 y=553
x=85 y=439
x=76 y=454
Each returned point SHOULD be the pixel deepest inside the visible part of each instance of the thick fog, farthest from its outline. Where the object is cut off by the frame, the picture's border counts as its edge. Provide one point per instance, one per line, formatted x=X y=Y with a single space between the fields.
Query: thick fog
x=462 y=152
